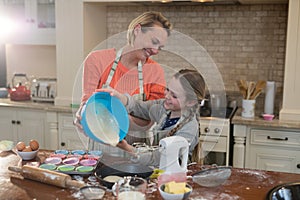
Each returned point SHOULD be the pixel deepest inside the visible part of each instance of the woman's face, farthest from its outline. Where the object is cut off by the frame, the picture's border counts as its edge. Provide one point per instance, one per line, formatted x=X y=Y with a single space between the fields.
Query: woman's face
x=150 y=42
x=175 y=96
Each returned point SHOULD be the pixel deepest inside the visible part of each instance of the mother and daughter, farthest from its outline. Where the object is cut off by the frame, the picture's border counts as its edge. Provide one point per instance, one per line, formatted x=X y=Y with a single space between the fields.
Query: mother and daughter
x=132 y=71
x=176 y=114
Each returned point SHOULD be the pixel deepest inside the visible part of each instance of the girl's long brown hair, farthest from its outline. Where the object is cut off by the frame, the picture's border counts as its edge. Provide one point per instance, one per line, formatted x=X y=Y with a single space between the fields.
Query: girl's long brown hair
x=194 y=85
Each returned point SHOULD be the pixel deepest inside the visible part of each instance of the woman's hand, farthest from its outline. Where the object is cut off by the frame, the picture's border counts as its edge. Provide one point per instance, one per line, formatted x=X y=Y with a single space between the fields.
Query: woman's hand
x=78 y=118
x=115 y=93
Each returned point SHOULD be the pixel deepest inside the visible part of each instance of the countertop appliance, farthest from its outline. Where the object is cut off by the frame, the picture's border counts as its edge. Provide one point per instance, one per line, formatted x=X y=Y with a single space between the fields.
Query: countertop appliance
x=43 y=89
x=173 y=149
x=20 y=88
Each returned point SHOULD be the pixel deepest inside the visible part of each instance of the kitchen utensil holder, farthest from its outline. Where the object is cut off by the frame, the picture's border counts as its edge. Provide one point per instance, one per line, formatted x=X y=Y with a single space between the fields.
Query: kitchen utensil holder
x=248 y=108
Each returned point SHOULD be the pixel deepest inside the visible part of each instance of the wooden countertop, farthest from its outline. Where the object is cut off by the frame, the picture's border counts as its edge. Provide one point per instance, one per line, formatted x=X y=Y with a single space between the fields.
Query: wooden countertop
x=243 y=184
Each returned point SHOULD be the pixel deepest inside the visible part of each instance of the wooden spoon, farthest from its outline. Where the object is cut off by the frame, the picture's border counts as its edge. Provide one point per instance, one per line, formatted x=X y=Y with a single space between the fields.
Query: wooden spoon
x=243 y=90
x=244 y=84
x=260 y=85
x=251 y=88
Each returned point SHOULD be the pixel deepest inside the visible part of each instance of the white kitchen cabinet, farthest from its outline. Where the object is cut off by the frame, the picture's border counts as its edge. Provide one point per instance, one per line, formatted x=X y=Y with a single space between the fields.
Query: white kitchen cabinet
x=69 y=138
x=273 y=149
x=34 y=21
x=22 y=125
x=51 y=136
x=6 y=124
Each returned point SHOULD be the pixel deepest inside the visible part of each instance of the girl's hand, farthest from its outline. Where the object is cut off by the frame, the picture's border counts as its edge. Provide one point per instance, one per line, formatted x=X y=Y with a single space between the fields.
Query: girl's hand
x=125 y=146
x=115 y=93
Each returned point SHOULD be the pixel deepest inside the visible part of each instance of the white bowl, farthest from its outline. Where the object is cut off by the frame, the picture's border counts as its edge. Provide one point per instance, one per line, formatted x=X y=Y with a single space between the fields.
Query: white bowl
x=28 y=155
x=92 y=192
x=168 y=196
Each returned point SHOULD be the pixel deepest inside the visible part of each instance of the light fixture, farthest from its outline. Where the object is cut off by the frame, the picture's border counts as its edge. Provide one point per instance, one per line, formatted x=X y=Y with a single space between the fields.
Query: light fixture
x=7 y=26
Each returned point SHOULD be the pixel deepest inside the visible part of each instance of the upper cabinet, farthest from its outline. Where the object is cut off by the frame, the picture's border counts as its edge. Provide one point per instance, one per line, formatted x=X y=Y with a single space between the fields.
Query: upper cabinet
x=34 y=21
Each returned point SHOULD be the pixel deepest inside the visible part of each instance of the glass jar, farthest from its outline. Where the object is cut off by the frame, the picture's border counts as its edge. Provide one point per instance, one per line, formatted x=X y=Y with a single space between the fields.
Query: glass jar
x=133 y=188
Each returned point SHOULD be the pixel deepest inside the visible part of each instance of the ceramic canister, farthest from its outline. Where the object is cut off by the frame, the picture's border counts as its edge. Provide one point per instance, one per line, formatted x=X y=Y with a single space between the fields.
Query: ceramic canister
x=248 y=108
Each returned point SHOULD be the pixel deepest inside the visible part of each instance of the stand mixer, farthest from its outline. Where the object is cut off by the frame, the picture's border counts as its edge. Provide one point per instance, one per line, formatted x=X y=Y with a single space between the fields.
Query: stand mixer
x=173 y=154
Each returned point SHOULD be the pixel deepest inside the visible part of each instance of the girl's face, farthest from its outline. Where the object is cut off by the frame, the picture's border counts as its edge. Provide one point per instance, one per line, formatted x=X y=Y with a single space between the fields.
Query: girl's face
x=150 y=42
x=175 y=96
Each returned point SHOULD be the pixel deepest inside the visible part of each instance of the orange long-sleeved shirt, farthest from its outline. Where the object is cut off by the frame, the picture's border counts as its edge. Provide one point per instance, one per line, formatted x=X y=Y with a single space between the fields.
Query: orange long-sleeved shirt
x=97 y=67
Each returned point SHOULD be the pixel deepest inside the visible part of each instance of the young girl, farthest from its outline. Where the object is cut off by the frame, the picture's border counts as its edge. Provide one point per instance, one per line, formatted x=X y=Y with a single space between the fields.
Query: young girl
x=177 y=114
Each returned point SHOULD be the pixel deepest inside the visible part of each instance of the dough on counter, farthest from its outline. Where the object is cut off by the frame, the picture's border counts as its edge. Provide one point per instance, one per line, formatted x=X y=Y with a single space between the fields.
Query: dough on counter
x=112 y=179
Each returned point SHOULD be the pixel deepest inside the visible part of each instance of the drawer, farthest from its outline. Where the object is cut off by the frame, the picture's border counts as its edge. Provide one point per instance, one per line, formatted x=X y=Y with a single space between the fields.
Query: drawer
x=213 y=143
x=280 y=138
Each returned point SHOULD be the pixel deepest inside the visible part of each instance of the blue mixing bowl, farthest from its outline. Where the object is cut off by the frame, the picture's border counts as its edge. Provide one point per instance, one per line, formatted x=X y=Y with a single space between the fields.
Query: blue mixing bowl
x=103 y=111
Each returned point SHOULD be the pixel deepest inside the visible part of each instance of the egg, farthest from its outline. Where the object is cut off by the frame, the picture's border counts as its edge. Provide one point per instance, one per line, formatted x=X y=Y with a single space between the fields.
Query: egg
x=20 y=146
x=27 y=149
x=34 y=145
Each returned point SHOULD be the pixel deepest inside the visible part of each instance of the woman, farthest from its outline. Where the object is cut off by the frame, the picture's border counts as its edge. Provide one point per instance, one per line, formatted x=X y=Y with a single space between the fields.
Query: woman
x=177 y=114
x=130 y=69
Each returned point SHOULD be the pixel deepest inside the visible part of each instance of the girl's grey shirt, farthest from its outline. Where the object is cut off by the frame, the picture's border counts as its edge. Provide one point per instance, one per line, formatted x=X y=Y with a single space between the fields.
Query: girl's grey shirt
x=154 y=110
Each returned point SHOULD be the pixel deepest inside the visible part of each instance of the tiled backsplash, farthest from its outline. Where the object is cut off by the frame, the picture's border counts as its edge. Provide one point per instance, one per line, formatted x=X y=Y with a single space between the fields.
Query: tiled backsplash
x=245 y=41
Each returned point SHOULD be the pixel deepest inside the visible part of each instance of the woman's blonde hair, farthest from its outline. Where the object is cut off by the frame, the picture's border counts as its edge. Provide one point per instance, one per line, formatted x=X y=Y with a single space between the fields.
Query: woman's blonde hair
x=148 y=19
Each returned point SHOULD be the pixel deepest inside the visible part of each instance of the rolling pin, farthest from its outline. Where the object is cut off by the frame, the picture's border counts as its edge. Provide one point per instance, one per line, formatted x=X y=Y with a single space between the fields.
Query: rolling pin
x=47 y=176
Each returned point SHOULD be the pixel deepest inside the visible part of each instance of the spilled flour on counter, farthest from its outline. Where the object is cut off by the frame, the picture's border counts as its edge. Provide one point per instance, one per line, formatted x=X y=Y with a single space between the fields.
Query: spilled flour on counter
x=219 y=196
x=78 y=195
x=260 y=176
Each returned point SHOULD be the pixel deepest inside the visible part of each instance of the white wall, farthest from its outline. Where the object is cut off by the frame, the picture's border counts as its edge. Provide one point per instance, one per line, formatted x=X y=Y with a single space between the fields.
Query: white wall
x=34 y=60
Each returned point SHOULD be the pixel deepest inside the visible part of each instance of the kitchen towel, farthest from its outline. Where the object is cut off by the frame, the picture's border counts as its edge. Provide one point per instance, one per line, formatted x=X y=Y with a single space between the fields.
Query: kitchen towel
x=270 y=97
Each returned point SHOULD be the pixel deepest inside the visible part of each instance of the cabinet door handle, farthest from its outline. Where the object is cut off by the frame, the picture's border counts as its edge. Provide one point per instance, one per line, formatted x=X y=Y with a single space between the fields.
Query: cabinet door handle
x=209 y=140
x=298 y=166
x=62 y=144
x=274 y=138
x=18 y=122
x=13 y=121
